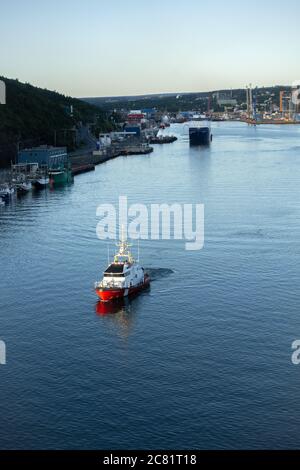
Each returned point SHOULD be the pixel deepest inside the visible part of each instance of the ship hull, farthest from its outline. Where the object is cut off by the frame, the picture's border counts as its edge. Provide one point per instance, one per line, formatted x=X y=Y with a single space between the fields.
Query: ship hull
x=199 y=136
x=110 y=294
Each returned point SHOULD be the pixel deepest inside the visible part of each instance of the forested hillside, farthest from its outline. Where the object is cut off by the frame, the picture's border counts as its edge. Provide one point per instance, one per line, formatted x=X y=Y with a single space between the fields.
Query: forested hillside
x=33 y=116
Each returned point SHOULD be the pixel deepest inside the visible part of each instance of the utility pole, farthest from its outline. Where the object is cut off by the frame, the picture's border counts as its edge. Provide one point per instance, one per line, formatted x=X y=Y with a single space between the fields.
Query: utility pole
x=208 y=104
x=291 y=109
x=251 y=100
x=255 y=105
x=247 y=100
x=281 y=101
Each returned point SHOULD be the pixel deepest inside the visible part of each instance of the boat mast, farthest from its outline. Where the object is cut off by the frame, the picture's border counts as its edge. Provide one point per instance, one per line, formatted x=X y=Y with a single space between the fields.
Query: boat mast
x=122 y=234
x=108 y=258
x=124 y=247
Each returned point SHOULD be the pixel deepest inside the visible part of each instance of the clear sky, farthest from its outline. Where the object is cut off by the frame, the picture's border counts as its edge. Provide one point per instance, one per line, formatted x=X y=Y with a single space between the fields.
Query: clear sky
x=114 y=47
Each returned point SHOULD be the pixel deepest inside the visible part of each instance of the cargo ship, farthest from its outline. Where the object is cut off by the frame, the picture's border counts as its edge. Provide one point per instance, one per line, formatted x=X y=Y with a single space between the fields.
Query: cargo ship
x=200 y=133
x=123 y=277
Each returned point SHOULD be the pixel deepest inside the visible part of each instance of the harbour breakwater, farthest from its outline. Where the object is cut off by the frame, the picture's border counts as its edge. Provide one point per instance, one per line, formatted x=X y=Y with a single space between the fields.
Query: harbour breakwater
x=280 y=122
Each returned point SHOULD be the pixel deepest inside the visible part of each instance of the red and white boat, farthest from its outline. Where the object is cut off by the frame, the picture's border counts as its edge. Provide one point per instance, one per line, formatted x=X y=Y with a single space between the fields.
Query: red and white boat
x=123 y=277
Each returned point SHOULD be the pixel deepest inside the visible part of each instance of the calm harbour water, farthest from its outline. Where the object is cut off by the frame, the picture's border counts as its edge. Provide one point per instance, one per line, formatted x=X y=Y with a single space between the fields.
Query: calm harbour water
x=202 y=360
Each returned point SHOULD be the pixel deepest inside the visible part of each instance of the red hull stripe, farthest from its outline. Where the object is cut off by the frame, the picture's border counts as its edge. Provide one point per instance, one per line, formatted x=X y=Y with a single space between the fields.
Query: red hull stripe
x=107 y=295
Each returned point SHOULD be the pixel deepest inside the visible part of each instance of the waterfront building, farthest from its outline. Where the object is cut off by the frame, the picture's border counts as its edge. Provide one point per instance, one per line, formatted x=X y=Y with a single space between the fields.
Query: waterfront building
x=133 y=129
x=53 y=157
x=149 y=112
x=135 y=117
x=225 y=98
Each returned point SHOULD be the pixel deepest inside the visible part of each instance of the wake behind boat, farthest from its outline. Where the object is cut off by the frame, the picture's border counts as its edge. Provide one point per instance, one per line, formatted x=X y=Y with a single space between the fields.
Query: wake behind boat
x=123 y=277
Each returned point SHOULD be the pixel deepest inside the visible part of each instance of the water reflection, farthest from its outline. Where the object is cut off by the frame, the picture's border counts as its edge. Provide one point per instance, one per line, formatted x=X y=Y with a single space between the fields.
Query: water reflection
x=119 y=315
x=107 y=308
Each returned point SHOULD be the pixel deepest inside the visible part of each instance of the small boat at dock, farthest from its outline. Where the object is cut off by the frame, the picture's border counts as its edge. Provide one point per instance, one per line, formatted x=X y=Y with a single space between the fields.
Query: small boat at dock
x=23 y=187
x=162 y=139
x=41 y=182
x=6 y=192
x=60 y=176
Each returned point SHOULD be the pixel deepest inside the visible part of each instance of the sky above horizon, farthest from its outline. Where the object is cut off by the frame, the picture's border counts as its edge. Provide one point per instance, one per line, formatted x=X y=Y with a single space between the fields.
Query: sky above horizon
x=100 y=48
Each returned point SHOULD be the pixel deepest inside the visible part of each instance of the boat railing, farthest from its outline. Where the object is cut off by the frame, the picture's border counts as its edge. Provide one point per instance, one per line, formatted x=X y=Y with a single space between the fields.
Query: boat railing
x=110 y=284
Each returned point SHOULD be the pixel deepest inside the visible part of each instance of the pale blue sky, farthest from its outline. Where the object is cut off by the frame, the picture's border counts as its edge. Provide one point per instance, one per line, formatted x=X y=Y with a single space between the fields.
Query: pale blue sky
x=100 y=48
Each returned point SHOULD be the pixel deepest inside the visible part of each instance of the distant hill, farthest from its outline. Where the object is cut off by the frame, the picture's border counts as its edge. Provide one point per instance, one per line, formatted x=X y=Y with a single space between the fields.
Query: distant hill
x=116 y=99
x=33 y=116
x=173 y=102
x=160 y=101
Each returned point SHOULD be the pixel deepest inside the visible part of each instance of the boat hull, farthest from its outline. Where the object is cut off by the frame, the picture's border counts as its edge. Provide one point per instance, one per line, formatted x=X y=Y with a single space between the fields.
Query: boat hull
x=5 y=196
x=199 y=136
x=6 y=193
x=41 y=183
x=23 y=188
x=60 y=178
x=111 y=294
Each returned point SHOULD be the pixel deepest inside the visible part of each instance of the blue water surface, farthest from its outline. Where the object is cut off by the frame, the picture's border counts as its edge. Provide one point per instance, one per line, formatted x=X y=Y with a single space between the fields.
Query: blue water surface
x=202 y=360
